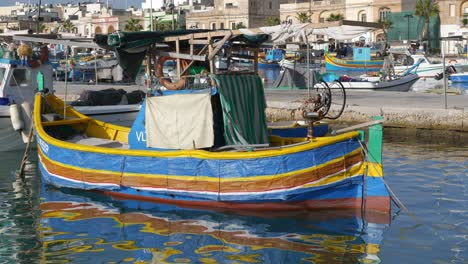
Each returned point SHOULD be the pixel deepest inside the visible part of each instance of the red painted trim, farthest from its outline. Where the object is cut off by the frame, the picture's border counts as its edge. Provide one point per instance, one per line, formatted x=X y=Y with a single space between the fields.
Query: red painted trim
x=377 y=207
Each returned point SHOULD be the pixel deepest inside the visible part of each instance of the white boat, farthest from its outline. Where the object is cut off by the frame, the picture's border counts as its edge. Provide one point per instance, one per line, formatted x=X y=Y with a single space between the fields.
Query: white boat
x=294 y=65
x=426 y=68
x=19 y=83
x=399 y=84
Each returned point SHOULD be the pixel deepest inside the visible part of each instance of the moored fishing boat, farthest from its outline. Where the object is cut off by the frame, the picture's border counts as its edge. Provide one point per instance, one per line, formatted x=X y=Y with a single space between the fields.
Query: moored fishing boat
x=209 y=146
x=272 y=58
x=459 y=77
x=289 y=174
x=358 y=63
x=397 y=84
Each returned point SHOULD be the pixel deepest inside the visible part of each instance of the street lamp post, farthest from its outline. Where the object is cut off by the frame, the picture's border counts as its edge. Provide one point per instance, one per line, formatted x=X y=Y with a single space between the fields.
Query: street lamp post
x=408 y=16
x=38 y=26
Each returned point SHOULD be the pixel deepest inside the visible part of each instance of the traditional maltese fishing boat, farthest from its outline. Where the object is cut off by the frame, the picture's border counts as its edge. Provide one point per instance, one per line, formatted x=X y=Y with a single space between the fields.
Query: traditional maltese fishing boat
x=360 y=62
x=209 y=146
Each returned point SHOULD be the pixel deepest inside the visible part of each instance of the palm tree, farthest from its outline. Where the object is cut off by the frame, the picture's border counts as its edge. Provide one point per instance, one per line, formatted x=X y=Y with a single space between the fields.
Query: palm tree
x=240 y=25
x=385 y=24
x=426 y=9
x=133 y=25
x=335 y=17
x=303 y=17
x=42 y=28
x=271 y=21
x=68 y=26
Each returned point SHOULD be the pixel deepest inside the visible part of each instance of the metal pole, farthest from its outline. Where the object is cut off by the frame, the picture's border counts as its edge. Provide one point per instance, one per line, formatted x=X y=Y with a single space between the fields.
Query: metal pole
x=151 y=15
x=38 y=17
x=444 y=74
x=95 y=65
x=66 y=84
x=408 y=29
x=173 y=28
x=308 y=67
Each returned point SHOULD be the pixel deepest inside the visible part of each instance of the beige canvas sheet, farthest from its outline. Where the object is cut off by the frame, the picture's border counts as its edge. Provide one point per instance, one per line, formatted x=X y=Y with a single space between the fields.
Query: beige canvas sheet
x=182 y=121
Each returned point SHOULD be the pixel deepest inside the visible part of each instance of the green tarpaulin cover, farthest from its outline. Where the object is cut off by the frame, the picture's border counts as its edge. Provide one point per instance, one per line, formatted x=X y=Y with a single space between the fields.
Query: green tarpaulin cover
x=243 y=103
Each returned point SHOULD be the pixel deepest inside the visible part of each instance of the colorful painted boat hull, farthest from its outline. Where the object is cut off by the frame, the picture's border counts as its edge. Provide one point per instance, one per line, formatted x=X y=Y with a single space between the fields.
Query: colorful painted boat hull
x=268 y=65
x=329 y=172
x=335 y=64
x=459 y=77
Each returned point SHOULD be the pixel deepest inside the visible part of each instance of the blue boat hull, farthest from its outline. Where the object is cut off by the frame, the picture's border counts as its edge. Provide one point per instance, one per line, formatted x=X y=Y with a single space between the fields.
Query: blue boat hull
x=459 y=78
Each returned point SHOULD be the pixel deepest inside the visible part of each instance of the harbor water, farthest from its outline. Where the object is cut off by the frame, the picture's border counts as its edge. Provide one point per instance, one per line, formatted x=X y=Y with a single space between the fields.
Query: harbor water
x=42 y=224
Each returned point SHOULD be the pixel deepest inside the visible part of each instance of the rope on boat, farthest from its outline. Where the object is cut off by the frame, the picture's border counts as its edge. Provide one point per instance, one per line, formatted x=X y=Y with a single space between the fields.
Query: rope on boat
x=393 y=196
x=26 y=151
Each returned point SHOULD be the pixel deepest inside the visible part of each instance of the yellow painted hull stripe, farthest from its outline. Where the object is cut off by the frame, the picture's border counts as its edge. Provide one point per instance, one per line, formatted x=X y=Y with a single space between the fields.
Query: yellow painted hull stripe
x=202 y=178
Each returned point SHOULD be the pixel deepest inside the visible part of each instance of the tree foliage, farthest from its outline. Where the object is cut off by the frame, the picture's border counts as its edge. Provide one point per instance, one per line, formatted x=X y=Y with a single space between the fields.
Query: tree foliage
x=68 y=26
x=272 y=21
x=240 y=25
x=133 y=25
x=386 y=25
x=426 y=9
x=303 y=17
x=335 y=17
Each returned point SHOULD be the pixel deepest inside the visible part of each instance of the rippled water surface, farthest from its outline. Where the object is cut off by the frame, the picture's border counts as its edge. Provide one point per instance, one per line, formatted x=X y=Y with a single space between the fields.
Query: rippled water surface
x=42 y=224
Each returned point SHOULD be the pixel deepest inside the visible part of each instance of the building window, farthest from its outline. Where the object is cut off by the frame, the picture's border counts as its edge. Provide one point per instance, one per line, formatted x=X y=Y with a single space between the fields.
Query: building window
x=452 y=10
x=233 y=25
x=270 y=4
x=221 y=25
x=362 y=16
x=383 y=13
x=213 y=25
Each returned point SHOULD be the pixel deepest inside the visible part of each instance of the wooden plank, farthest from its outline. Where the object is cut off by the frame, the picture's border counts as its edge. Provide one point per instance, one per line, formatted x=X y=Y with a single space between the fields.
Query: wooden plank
x=183 y=56
x=178 y=59
x=213 y=34
x=219 y=45
x=191 y=46
x=256 y=61
x=210 y=54
x=57 y=41
x=359 y=126
x=240 y=56
x=197 y=41
x=191 y=62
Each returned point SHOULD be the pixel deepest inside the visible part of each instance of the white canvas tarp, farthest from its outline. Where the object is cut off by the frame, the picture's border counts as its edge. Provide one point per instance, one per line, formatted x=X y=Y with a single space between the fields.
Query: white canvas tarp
x=182 y=121
x=280 y=34
x=343 y=32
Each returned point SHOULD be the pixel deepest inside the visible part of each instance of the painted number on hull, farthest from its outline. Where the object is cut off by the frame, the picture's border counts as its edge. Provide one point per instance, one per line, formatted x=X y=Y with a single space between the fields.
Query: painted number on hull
x=141 y=136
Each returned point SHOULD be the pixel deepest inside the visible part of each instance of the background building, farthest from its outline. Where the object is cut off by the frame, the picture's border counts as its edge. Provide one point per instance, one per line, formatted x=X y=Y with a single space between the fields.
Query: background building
x=232 y=14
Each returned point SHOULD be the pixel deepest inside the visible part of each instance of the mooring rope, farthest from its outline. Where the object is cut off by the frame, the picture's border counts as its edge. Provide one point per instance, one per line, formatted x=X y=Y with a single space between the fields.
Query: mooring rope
x=393 y=196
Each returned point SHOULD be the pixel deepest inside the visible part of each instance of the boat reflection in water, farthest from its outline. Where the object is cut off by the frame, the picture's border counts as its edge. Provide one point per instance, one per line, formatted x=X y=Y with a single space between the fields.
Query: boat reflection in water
x=95 y=228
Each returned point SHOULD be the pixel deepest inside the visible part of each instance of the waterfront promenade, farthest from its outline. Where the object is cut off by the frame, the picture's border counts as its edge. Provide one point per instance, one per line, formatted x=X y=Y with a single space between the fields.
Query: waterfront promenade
x=399 y=109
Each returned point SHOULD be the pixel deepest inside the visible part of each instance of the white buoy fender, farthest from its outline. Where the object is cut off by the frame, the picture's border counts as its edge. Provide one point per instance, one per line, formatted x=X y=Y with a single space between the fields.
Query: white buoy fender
x=15 y=115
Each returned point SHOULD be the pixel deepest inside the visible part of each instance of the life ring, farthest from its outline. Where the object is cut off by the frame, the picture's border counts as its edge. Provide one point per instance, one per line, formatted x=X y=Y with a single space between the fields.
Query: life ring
x=42 y=58
x=164 y=81
x=452 y=61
